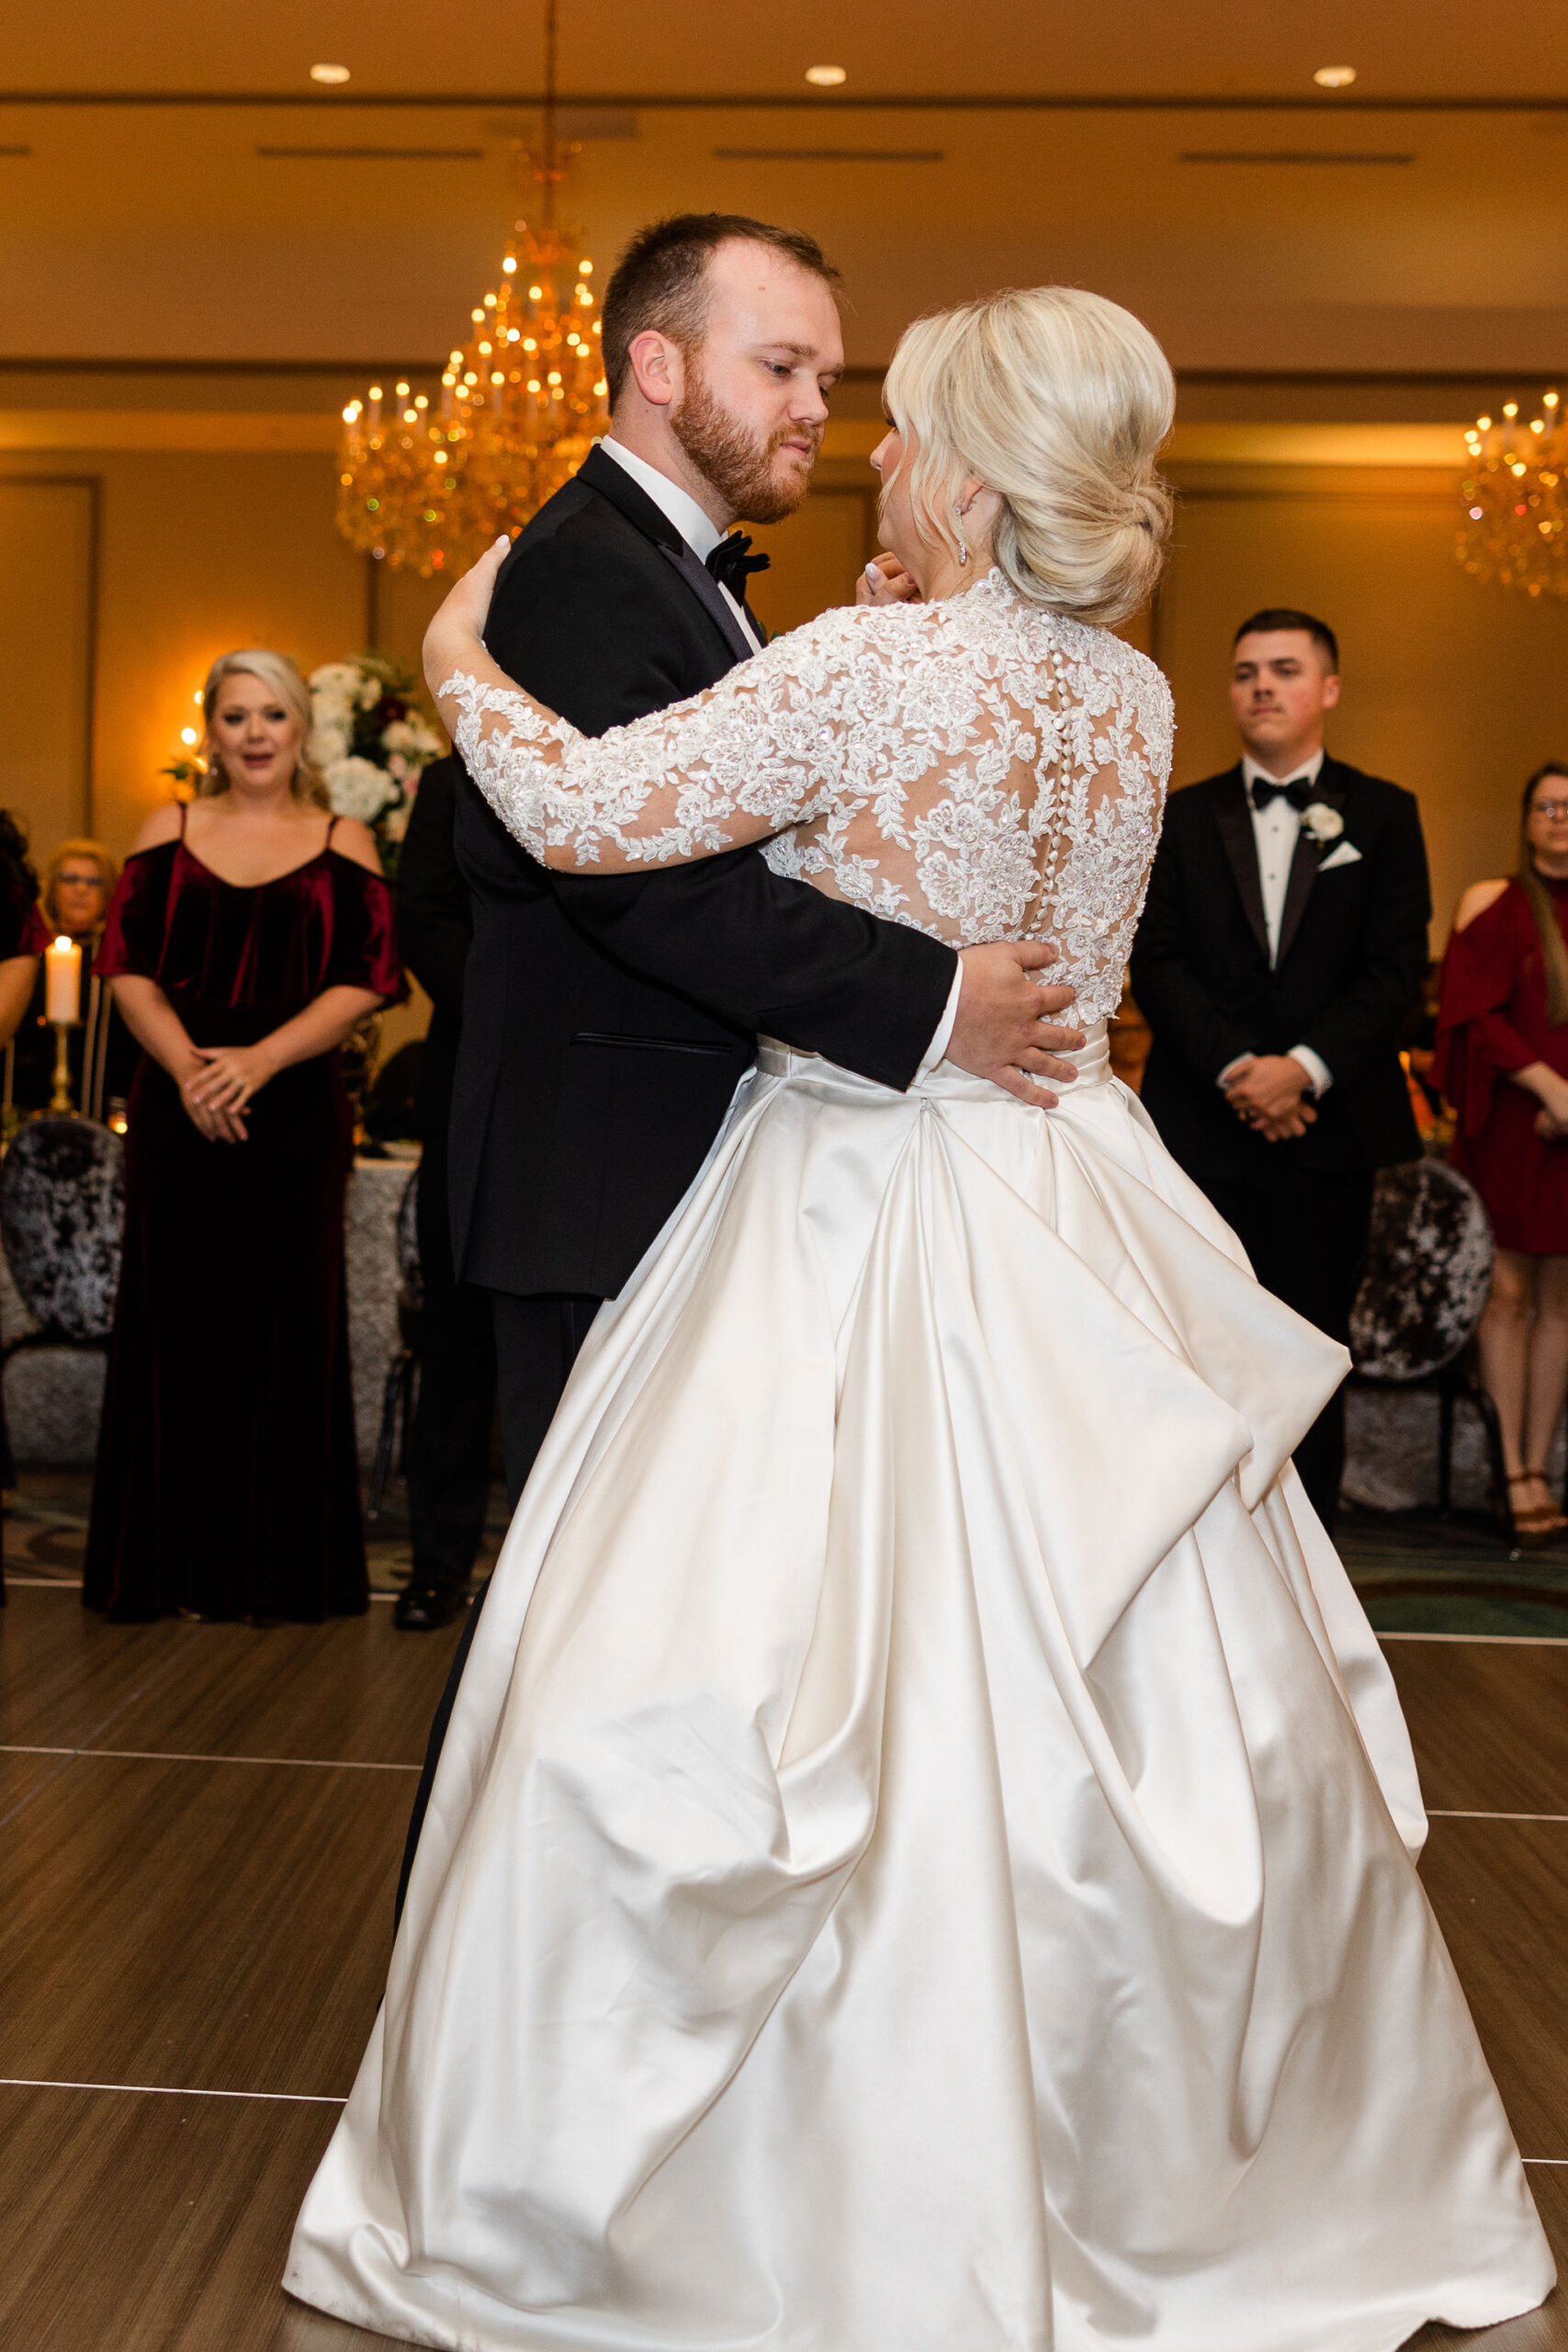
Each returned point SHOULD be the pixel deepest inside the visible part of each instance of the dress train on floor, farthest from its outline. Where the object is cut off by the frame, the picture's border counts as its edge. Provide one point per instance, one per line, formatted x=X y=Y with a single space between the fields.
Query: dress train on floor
x=923 y=1857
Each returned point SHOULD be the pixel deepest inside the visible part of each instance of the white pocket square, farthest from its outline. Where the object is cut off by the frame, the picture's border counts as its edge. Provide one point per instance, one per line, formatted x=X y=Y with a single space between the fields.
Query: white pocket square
x=1346 y=855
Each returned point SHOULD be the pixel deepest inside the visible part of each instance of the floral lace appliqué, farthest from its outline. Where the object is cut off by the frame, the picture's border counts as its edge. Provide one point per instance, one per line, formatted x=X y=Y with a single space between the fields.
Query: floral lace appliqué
x=978 y=768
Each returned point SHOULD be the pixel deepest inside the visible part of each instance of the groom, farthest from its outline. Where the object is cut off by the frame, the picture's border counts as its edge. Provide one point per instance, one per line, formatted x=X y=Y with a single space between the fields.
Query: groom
x=606 y=1023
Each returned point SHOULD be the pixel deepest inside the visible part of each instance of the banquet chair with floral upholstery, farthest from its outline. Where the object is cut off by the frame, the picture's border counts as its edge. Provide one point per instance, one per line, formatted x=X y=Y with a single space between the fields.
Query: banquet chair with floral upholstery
x=61 y=1220
x=1424 y=1289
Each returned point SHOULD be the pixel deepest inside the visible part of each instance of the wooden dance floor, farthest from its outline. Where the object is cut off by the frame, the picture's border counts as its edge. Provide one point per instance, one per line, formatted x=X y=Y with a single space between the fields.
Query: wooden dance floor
x=201 y=1831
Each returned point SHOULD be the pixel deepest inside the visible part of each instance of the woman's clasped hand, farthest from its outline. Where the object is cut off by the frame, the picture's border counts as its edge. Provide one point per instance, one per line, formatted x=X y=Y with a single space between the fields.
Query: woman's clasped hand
x=223 y=1083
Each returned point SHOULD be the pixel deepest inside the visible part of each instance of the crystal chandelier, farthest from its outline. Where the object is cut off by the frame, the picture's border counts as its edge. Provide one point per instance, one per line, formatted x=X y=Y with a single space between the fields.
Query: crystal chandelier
x=429 y=488
x=1515 y=501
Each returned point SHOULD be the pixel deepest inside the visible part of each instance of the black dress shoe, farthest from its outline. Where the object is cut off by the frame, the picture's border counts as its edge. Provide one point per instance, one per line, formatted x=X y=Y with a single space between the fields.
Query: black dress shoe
x=424 y=1606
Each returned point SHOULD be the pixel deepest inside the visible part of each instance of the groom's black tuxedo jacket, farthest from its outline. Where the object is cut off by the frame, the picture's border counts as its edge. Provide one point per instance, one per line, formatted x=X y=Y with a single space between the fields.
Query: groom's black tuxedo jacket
x=606 y=1022
x=1352 y=952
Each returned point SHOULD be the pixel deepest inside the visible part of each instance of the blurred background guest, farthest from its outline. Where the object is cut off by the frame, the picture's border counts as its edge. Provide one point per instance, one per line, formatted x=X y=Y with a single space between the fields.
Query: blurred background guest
x=23 y=938
x=23 y=934
x=1502 y=1062
x=1278 y=961
x=248 y=935
x=78 y=883
x=448 y=1450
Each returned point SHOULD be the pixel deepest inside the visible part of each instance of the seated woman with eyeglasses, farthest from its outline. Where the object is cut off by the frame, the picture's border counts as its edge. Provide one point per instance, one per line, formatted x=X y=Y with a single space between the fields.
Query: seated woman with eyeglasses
x=1502 y=1062
x=78 y=883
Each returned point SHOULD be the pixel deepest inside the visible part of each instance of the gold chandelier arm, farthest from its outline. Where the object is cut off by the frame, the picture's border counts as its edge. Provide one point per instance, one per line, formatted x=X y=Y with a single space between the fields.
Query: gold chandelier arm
x=1514 y=493
x=426 y=485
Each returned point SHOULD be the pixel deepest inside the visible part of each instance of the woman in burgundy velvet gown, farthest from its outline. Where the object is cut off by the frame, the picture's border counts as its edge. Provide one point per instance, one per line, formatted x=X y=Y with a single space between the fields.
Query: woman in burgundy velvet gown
x=1502 y=1062
x=246 y=938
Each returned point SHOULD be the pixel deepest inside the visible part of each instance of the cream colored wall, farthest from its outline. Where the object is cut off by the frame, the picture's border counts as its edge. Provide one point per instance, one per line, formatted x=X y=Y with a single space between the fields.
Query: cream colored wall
x=199 y=551
x=47 y=534
x=1453 y=690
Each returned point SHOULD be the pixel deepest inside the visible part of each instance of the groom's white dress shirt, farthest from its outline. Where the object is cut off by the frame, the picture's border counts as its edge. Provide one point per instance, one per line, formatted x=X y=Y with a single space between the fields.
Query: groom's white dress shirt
x=1275 y=830
x=702 y=535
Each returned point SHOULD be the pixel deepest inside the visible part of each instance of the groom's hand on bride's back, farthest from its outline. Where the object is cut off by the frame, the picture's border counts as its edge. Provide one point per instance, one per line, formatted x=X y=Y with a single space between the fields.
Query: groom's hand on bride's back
x=1005 y=1026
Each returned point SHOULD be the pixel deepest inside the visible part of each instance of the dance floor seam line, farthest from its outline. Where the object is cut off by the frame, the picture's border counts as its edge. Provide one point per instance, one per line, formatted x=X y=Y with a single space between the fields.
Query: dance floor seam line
x=73 y=1584
x=167 y=2090
x=179 y=1755
x=1501 y=1641
x=1487 y=1813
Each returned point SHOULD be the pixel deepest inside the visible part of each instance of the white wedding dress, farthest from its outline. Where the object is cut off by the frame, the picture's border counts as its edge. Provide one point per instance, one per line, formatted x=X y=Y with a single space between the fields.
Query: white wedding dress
x=922 y=1859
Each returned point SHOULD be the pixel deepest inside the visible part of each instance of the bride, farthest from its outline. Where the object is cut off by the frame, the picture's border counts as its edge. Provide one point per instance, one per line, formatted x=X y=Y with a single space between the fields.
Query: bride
x=923 y=1857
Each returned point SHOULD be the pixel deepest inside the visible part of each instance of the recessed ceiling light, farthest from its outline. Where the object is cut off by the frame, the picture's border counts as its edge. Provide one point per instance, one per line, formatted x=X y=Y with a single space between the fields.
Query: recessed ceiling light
x=825 y=77
x=329 y=74
x=1335 y=77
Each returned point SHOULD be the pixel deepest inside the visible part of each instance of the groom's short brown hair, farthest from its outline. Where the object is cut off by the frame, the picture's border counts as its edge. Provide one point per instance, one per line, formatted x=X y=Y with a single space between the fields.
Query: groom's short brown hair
x=661 y=279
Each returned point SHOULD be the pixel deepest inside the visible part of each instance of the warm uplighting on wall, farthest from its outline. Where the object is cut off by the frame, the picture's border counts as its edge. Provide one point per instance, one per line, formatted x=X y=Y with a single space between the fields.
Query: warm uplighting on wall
x=825 y=77
x=332 y=75
x=1335 y=77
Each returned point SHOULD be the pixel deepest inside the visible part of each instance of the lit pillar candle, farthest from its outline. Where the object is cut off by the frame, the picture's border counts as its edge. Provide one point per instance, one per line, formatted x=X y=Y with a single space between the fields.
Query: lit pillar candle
x=63 y=991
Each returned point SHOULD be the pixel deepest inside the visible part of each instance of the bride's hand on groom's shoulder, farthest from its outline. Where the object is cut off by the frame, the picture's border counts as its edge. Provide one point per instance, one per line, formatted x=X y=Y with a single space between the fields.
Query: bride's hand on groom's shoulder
x=886 y=582
x=457 y=634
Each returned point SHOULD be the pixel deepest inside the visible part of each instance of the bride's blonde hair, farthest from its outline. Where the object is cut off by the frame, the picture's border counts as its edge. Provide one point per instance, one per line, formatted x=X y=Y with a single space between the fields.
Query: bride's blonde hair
x=1059 y=402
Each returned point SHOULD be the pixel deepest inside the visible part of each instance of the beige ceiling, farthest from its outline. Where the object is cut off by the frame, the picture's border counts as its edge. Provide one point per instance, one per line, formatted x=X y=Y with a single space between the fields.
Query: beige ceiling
x=914 y=45
x=139 y=231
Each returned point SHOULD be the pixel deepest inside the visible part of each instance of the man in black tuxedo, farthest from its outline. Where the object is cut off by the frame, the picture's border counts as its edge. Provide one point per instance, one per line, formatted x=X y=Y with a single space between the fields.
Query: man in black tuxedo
x=448 y=1444
x=606 y=1023
x=1279 y=955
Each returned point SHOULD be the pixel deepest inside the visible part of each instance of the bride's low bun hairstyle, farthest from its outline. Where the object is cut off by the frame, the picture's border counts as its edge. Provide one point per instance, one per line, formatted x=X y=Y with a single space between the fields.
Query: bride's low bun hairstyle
x=1059 y=402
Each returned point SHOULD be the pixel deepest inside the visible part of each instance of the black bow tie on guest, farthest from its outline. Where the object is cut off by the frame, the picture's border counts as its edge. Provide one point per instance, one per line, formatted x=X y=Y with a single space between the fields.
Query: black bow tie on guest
x=732 y=562
x=1298 y=792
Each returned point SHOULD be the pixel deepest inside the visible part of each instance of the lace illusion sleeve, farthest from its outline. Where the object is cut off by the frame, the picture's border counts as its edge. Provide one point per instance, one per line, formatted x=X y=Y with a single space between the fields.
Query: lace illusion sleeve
x=761 y=749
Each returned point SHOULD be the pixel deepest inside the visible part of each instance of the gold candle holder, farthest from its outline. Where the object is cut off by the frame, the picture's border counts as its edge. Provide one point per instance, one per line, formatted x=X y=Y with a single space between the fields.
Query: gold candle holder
x=61 y=1099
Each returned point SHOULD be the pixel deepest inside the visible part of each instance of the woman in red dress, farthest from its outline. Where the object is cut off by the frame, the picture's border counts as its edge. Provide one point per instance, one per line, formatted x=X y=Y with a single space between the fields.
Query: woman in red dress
x=1502 y=1062
x=247 y=936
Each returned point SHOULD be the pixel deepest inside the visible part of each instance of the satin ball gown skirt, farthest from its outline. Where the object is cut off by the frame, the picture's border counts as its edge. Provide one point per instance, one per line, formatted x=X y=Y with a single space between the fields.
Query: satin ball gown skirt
x=922 y=1859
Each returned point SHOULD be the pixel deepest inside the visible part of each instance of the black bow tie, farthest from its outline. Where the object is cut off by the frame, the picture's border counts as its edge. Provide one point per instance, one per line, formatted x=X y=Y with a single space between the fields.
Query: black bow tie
x=1298 y=792
x=732 y=562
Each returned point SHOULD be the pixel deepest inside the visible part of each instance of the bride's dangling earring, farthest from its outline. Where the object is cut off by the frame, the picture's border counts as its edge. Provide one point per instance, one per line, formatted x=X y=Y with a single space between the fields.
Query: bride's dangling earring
x=963 y=543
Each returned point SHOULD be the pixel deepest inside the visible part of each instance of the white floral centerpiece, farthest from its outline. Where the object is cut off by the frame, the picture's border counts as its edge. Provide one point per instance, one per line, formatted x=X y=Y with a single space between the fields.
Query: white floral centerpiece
x=370 y=741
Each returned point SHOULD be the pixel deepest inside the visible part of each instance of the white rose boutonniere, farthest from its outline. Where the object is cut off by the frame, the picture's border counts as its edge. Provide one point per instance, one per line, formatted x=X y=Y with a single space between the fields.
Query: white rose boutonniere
x=1324 y=823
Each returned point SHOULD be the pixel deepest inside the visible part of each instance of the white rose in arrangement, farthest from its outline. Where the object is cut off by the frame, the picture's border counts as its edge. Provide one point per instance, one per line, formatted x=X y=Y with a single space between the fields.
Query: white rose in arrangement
x=398 y=736
x=1324 y=823
x=411 y=740
x=337 y=680
x=371 y=692
x=330 y=739
x=359 y=788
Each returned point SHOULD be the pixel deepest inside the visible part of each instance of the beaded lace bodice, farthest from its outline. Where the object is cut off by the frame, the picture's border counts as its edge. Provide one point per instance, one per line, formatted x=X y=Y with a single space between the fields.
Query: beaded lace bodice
x=978 y=768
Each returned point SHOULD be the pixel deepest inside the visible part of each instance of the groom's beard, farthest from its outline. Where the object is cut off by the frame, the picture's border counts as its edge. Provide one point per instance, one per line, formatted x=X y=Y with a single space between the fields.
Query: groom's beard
x=740 y=466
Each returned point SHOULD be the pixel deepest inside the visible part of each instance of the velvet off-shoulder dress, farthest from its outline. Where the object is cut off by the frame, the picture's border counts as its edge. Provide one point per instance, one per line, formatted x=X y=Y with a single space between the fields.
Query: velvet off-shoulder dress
x=227 y=1480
